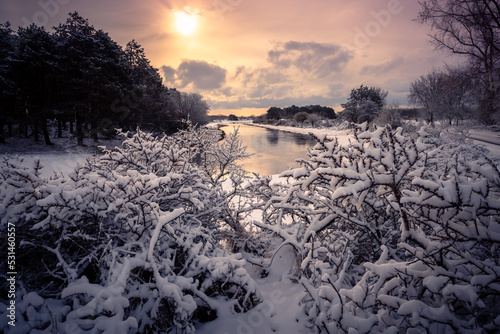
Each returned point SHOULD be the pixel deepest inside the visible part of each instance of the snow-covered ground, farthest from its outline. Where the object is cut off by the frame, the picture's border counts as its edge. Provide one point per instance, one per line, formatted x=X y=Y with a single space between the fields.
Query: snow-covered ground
x=278 y=313
x=61 y=157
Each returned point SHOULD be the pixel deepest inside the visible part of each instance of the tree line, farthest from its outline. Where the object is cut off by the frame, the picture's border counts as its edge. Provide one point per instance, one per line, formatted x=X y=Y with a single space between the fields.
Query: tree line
x=311 y=113
x=80 y=77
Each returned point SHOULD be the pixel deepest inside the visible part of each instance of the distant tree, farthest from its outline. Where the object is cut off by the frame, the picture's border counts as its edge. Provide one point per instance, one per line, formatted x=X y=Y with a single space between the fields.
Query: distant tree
x=35 y=69
x=232 y=117
x=389 y=115
x=443 y=94
x=75 y=39
x=300 y=117
x=363 y=104
x=313 y=118
x=260 y=119
x=274 y=113
x=7 y=83
x=144 y=100
x=461 y=94
x=327 y=112
x=290 y=112
x=188 y=106
x=427 y=92
x=470 y=28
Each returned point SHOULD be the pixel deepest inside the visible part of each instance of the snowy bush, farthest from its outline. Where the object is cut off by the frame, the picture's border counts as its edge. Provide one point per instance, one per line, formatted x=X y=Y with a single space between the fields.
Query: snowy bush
x=130 y=239
x=19 y=191
x=386 y=240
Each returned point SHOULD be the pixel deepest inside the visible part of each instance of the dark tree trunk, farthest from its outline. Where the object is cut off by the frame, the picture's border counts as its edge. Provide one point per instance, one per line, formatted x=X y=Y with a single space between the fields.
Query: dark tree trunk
x=2 y=134
x=94 y=130
x=45 y=131
x=36 y=129
x=59 y=126
x=79 y=130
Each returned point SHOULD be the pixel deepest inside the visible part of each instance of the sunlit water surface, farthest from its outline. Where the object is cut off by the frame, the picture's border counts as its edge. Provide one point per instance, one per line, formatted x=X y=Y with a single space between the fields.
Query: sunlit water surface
x=273 y=151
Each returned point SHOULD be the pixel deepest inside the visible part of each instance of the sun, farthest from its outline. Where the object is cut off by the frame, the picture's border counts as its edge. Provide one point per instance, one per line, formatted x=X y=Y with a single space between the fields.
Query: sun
x=186 y=22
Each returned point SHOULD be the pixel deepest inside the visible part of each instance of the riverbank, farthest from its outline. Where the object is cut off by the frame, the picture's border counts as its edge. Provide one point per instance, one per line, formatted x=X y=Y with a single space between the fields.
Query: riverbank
x=486 y=138
x=342 y=135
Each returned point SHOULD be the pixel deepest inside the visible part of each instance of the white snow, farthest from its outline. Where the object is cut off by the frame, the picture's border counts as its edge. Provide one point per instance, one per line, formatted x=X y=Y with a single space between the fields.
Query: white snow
x=279 y=312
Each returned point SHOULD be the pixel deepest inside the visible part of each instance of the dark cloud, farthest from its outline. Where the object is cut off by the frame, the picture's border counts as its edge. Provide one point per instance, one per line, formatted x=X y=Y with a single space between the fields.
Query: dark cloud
x=384 y=68
x=168 y=74
x=262 y=75
x=201 y=74
x=320 y=59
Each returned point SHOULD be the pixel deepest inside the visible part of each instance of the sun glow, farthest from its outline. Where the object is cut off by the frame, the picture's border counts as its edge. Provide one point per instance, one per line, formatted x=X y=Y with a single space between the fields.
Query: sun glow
x=186 y=22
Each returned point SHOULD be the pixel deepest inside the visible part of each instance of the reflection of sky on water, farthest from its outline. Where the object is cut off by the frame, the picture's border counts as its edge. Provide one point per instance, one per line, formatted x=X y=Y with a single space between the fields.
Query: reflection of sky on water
x=274 y=151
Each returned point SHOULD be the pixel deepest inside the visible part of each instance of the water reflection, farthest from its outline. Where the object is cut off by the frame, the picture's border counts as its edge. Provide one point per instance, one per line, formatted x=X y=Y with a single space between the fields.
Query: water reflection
x=274 y=151
x=273 y=137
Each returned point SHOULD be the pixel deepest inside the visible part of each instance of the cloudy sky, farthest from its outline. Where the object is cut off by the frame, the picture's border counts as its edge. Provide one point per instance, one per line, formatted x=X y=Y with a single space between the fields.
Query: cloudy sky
x=245 y=56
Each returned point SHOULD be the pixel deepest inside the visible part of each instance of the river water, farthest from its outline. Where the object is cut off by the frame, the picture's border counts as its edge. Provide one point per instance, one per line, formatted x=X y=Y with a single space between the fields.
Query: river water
x=273 y=151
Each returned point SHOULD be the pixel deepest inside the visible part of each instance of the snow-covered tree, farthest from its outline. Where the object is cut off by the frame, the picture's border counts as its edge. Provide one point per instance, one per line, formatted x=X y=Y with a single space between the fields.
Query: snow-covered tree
x=363 y=104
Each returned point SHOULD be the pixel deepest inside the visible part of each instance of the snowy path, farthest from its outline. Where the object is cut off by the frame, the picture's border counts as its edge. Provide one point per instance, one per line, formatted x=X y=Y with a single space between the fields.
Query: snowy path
x=279 y=311
x=486 y=136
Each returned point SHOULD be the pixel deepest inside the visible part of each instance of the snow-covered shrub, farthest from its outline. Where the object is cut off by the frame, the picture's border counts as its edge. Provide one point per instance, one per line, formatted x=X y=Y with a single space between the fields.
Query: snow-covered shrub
x=243 y=193
x=220 y=161
x=219 y=158
x=350 y=194
x=130 y=239
x=390 y=241
x=34 y=314
x=19 y=191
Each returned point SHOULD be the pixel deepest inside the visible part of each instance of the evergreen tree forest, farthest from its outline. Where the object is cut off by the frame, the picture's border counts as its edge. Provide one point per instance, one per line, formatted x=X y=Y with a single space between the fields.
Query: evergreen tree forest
x=79 y=78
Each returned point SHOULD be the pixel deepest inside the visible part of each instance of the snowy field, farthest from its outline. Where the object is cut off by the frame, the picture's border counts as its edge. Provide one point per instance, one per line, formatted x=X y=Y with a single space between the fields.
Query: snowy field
x=62 y=157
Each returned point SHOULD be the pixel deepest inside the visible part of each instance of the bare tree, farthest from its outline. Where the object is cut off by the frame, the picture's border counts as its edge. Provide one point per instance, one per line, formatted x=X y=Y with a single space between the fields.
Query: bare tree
x=426 y=92
x=389 y=115
x=190 y=106
x=314 y=118
x=445 y=94
x=459 y=99
x=470 y=28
